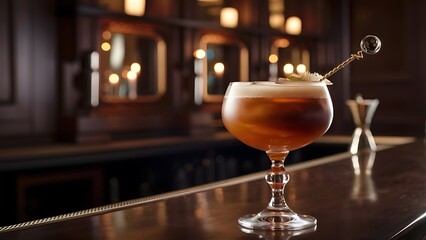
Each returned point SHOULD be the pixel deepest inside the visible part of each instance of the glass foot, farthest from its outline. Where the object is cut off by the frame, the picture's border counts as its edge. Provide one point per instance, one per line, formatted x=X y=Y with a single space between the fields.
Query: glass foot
x=277 y=221
x=275 y=235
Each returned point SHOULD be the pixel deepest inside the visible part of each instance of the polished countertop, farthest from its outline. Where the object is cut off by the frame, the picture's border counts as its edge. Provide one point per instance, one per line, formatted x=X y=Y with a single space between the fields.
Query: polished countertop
x=372 y=195
x=71 y=154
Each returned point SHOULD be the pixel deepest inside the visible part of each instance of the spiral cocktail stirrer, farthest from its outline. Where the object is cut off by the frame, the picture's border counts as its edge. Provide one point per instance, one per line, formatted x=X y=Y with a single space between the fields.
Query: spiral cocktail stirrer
x=369 y=45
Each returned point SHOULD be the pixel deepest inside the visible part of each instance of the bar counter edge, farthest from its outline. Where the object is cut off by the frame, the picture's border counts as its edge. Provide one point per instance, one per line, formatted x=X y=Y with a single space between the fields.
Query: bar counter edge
x=383 y=143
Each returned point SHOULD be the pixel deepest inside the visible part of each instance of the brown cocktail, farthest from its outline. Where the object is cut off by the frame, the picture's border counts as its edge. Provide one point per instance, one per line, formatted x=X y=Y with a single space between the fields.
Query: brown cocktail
x=277 y=117
x=280 y=116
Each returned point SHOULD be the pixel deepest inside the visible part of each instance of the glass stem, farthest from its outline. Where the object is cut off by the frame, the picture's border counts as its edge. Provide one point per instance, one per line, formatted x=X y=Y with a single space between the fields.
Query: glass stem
x=277 y=178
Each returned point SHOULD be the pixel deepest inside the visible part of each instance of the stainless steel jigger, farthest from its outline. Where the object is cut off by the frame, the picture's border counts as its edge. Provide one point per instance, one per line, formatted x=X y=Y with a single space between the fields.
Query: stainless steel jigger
x=362 y=112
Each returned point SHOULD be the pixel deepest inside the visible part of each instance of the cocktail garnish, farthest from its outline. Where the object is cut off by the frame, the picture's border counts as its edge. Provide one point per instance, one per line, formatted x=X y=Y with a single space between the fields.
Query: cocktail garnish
x=369 y=45
x=306 y=76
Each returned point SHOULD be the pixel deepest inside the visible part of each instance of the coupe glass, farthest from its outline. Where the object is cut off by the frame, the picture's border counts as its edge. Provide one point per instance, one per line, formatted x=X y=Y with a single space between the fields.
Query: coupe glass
x=277 y=118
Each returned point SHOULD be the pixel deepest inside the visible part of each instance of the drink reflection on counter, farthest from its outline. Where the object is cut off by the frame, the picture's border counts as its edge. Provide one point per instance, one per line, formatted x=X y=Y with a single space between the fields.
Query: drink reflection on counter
x=362 y=112
x=363 y=189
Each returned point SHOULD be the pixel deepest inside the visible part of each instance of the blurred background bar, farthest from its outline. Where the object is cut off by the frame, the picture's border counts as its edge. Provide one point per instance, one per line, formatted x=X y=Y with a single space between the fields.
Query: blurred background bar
x=108 y=100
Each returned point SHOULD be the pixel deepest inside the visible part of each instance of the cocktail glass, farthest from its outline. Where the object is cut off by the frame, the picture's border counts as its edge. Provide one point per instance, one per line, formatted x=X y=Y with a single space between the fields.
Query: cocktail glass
x=277 y=117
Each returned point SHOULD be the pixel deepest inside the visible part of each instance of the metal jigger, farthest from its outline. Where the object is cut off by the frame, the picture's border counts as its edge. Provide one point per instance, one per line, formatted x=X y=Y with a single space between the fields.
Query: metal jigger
x=362 y=112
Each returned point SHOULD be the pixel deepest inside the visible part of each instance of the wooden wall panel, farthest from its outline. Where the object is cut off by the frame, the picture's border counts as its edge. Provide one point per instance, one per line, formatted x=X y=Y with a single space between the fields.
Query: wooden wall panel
x=27 y=68
x=5 y=78
x=14 y=112
x=421 y=26
x=45 y=64
x=394 y=74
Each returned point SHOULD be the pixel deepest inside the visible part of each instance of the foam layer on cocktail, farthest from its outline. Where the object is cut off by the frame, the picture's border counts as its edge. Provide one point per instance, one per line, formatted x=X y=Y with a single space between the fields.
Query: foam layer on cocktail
x=288 y=89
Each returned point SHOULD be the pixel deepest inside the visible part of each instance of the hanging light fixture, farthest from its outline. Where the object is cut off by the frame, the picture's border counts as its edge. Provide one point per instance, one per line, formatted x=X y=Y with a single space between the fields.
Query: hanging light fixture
x=288 y=69
x=293 y=25
x=229 y=17
x=276 y=20
x=134 y=7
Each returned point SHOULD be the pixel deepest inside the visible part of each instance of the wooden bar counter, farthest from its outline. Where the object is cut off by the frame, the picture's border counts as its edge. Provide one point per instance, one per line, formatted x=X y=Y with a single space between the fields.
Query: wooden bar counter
x=378 y=195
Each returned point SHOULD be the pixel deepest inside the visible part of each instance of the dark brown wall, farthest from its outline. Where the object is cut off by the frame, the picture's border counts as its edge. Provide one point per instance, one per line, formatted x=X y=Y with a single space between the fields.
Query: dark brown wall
x=27 y=69
x=396 y=75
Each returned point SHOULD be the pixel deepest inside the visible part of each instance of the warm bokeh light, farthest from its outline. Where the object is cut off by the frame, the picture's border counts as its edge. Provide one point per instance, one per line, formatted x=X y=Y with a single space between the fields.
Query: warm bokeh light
x=135 y=67
x=199 y=54
x=282 y=43
x=106 y=46
x=218 y=195
x=293 y=26
x=94 y=61
x=301 y=68
x=106 y=35
x=276 y=20
x=273 y=58
x=118 y=51
x=229 y=17
x=113 y=78
x=276 y=14
x=276 y=6
x=124 y=73
x=132 y=75
x=134 y=7
x=219 y=68
x=288 y=68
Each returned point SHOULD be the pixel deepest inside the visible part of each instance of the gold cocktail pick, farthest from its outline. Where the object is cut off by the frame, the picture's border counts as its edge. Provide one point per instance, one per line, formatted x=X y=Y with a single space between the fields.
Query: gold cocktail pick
x=369 y=45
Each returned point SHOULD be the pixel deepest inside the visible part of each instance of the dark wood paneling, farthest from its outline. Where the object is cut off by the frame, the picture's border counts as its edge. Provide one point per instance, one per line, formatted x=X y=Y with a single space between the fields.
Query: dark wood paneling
x=5 y=78
x=421 y=26
x=394 y=74
x=332 y=50
x=27 y=68
x=45 y=64
x=15 y=110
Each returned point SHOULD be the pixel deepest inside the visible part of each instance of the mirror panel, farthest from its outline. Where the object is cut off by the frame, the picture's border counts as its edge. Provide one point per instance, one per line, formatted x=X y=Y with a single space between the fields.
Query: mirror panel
x=225 y=61
x=132 y=63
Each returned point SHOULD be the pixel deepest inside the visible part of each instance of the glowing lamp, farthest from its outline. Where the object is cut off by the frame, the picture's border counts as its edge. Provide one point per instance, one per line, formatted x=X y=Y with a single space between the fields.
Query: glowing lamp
x=301 y=68
x=288 y=69
x=229 y=17
x=276 y=20
x=134 y=7
x=199 y=54
x=293 y=26
x=219 y=69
